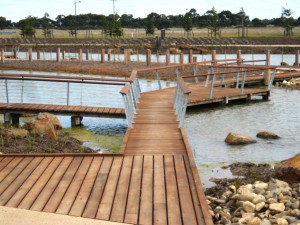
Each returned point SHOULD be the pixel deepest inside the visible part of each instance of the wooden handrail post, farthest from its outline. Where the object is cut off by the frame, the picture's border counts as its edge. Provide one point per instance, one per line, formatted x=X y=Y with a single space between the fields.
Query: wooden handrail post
x=190 y=55
x=58 y=55
x=108 y=54
x=239 y=56
x=87 y=55
x=30 y=54
x=195 y=68
x=38 y=55
x=268 y=71
x=102 y=55
x=297 y=58
x=80 y=55
x=148 y=57
x=213 y=55
x=125 y=57
x=63 y=55
x=167 y=57
x=2 y=55
x=181 y=58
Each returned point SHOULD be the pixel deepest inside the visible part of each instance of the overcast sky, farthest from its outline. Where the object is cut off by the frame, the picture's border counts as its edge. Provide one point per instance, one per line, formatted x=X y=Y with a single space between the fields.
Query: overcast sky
x=15 y=10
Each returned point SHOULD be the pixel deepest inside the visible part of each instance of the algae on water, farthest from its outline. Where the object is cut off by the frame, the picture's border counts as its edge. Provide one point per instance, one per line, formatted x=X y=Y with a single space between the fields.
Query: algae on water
x=103 y=143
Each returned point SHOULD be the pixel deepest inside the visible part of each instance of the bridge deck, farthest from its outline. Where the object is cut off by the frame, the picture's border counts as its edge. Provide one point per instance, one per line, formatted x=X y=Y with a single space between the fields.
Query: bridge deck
x=142 y=189
x=21 y=108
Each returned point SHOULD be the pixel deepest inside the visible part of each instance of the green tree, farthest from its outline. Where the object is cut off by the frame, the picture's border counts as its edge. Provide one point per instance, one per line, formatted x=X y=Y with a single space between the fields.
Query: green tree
x=150 y=29
x=214 y=22
x=287 y=21
x=27 y=27
x=187 y=23
x=46 y=23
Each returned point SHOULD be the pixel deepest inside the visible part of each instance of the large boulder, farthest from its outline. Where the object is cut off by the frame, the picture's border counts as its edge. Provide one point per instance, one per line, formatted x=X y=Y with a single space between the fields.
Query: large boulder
x=238 y=139
x=289 y=170
x=45 y=124
x=267 y=135
x=56 y=123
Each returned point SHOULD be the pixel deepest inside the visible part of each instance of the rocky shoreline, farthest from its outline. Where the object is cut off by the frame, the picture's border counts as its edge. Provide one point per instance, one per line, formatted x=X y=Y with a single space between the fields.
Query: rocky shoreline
x=256 y=196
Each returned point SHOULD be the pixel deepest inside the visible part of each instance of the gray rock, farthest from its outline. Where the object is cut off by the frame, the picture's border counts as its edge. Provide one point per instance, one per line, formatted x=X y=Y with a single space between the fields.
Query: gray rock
x=291 y=219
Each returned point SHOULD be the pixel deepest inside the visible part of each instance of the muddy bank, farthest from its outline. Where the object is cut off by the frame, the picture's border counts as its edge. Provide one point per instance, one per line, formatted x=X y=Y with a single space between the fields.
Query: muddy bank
x=249 y=44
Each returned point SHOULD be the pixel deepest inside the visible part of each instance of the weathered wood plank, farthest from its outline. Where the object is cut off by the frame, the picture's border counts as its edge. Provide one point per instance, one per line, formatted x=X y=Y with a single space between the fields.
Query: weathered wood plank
x=63 y=185
x=160 y=203
x=50 y=187
x=119 y=205
x=94 y=200
x=134 y=192
x=34 y=192
x=105 y=206
x=9 y=167
x=28 y=184
x=86 y=189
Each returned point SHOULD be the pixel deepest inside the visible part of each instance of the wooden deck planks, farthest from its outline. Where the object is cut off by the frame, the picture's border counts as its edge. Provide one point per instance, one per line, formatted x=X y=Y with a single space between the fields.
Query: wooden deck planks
x=86 y=189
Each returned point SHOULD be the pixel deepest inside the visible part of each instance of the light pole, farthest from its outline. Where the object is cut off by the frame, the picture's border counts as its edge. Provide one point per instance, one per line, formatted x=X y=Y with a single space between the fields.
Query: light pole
x=75 y=3
x=114 y=8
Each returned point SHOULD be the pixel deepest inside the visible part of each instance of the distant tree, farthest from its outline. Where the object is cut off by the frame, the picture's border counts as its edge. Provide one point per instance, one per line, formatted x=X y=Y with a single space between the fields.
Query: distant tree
x=287 y=21
x=150 y=29
x=2 y=22
x=187 y=23
x=117 y=29
x=298 y=20
x=27 y=27
x=257 y=23
x=214 y=22
x=46 y=23
x=226 y=18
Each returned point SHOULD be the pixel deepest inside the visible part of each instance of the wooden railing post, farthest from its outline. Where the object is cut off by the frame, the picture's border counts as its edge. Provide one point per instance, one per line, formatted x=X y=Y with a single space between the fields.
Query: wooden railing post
x=58 y=55
x=30 y=54
x=80 y=55
x=2 y=55
x=297 y=58
x=190 y=55
x=268 y=71
x=102 y=55
x=125 y=56
x=167 y=57
x=148 y=57
x=239 y=56
x=108 y=54
x=63 y=55
x=87 y=55
x=38 y=55
x=195 y=69
x=213 y=55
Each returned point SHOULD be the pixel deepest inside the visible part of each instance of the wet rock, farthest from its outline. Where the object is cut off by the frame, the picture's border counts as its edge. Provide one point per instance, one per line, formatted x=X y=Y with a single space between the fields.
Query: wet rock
x=289 y=170
x=239 y=139
x=267 y=135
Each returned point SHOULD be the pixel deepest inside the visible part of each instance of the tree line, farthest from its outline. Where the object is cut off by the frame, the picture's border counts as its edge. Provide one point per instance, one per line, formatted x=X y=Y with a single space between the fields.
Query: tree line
x=112 y=24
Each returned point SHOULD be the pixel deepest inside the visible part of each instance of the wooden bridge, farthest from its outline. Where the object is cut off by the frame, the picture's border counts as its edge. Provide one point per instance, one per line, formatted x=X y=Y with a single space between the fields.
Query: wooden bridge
x=152 y=180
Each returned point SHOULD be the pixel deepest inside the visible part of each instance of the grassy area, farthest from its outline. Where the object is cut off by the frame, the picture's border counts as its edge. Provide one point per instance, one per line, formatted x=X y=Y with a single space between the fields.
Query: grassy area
x=173 y=32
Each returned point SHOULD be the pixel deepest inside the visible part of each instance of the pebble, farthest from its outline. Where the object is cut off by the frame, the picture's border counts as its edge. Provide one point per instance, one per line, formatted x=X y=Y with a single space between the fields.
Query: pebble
x=260 y=203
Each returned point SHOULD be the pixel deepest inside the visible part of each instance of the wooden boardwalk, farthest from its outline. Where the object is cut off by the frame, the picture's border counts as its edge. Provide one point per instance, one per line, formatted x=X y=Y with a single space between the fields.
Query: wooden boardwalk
x=154 y=180
x=27 y=108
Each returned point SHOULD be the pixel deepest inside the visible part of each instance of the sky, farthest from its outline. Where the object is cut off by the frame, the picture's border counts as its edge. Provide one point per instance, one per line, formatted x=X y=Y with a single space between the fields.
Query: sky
x=16 y=10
